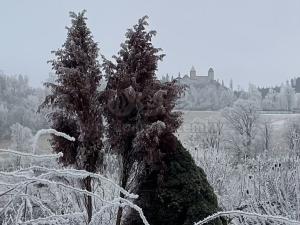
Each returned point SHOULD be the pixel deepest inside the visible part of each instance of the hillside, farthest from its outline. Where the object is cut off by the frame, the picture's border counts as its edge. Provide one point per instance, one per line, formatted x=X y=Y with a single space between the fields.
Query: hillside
x=206 y=96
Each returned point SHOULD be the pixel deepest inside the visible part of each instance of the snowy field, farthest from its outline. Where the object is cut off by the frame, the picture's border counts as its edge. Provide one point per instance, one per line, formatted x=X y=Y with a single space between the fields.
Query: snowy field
x=190 y=117
x=193 y=121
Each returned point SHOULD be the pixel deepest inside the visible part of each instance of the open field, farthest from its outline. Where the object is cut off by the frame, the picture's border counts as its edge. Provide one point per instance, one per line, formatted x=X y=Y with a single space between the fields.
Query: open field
x=190 y=117
x=194 y=121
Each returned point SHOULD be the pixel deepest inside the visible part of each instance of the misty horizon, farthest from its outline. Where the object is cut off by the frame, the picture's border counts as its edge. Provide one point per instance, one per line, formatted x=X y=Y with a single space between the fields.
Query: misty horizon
x=253 y=42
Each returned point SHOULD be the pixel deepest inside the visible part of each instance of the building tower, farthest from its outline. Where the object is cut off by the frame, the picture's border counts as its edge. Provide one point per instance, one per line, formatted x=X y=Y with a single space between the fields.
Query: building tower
x=167 y=78
x=211 y=74
x=193 y=73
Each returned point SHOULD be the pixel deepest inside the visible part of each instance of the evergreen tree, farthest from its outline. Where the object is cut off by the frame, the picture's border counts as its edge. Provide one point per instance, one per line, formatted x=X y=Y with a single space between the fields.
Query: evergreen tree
x=136 y=98
x=140 y=117
x=176 y=191
x=74 y=99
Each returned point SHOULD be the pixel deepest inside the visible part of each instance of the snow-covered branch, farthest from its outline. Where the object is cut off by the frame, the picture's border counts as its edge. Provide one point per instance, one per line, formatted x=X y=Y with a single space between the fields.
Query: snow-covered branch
x=49 y=131
x=53 y=219
x=236 y=213
x=26 y=193
x=73 y=173
x=49 y=156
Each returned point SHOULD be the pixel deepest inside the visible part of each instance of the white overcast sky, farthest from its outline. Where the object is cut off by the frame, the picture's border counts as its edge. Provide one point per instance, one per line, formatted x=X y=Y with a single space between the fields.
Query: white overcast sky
x=255 y=41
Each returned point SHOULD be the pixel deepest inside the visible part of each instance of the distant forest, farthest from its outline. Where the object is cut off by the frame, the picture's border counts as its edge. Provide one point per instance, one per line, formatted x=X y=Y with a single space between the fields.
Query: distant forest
x=216 y=96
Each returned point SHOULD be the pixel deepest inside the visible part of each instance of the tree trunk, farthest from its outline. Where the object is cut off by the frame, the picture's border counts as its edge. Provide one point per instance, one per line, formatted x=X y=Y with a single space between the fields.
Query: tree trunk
x=88 y=199
x=120 y=212
x=125 y=176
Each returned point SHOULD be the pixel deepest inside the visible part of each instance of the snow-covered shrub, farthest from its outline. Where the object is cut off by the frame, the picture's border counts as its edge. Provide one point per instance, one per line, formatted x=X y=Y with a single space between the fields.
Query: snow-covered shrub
x=292 y=135
x=243 y=121
x=49 y=194
x=266 y=184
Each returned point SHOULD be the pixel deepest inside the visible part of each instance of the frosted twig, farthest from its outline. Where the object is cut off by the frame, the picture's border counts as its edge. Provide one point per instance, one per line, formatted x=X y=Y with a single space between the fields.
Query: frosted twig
x=82 y=174
x=44 y=178
x=52 y=217
x=14 y=197
x=138 y=209
x=237 y=213
x=9 y=151
x=85 y=192
x=13 y=188
x=44 y=181
x=38 y=202
x=49 y=131
x=121 y=202
x=73 y=173
x=115 y=202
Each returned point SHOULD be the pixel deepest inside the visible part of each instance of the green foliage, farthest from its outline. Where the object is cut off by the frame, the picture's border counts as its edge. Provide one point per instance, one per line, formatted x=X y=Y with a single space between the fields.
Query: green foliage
x=177 y=193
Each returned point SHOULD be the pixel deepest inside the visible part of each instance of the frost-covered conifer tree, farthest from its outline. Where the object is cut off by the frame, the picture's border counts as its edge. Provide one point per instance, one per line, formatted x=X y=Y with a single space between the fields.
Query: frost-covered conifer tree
x=141 y=124
x=74 y=98
x=136 y=98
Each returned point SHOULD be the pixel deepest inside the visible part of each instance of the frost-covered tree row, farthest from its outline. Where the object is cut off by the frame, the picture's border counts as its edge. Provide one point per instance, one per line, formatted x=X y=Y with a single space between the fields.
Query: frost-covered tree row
x=206 y=96
x=282 y=98
x=214 y=96
x=18 y=104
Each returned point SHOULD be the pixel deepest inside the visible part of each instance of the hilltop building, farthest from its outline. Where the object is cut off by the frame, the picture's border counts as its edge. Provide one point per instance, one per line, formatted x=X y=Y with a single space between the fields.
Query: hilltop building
x=202 y=79
x=193 y=77
x=202 y=92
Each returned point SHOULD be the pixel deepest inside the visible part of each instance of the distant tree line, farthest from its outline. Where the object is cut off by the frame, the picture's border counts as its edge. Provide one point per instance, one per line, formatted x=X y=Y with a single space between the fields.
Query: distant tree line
x=215 y=96
x=206 y=96
x=18 y=104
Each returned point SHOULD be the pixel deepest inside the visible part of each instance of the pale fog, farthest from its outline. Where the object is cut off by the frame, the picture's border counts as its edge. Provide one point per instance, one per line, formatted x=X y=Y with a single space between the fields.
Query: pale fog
x=149 y=112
